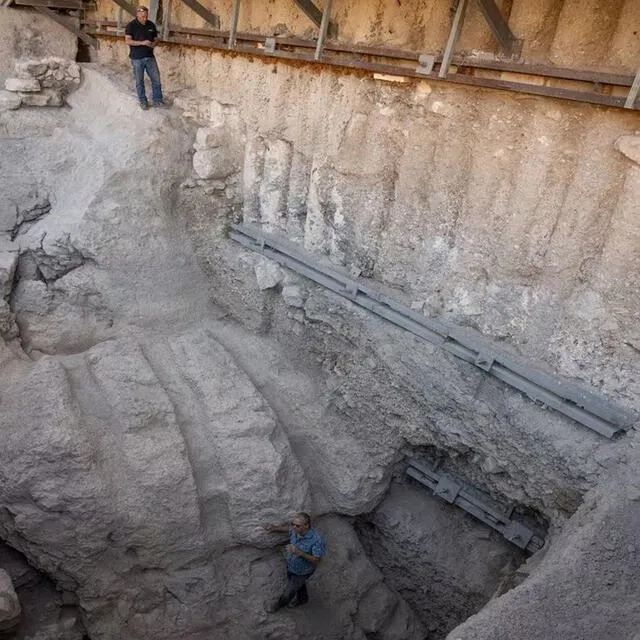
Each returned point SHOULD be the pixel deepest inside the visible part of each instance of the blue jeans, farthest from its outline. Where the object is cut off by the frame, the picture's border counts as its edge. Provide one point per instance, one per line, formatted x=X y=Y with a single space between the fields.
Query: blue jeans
x=296 y=590
x=151 y=67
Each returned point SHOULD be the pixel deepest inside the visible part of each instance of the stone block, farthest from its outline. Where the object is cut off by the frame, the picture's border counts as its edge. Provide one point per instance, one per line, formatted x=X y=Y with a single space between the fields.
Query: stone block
x=268 y=274
x=211 y=137
x=212 y=164
x=22 y=84
x=35 y=99
x=9 y=100
x=73 y=70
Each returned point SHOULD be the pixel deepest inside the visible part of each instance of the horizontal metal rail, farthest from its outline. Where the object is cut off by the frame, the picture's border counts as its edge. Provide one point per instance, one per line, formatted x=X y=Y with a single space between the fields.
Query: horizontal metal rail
x=577 y=403
x=451 y=489
x=466 y=66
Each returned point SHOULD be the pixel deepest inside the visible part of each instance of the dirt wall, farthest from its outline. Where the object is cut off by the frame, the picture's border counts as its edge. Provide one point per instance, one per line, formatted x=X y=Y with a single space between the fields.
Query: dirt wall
x=26 y=34
x=594 y=34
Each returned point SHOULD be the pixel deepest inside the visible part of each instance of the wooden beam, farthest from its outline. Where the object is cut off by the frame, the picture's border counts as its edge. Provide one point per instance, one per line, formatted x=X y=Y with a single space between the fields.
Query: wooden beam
x=129 y=8
x=203 y=12
x=456 y=27
x=510 y=45
x=67 y=23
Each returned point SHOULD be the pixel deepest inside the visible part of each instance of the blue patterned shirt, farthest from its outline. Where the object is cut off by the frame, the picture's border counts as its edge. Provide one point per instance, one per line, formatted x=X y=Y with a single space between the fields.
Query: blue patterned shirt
x=312 y=543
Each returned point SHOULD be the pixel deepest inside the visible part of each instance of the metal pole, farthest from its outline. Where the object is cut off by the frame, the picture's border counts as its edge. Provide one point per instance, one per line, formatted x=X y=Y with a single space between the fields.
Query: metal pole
x=166 y=20
x=324 y=25
x=456 y=27
x=633 y=92
x=234 y=24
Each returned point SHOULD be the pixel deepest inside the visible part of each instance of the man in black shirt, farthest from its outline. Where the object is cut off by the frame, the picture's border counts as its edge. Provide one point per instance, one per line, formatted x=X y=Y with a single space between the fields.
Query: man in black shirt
x=141 y=35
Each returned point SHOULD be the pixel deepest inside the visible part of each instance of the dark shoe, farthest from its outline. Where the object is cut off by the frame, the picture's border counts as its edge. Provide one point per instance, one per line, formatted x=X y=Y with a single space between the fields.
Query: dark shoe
x=162 y=104
x=144 y=106
x=273 y=607
x=296 y=603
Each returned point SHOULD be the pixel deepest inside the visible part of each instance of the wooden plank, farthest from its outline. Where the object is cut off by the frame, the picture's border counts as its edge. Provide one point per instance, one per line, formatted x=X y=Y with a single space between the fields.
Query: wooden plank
x=67 y=23
x=203 y=12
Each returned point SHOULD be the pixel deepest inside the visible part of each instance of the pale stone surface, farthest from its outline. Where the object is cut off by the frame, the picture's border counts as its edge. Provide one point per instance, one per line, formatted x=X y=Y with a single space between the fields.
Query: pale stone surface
x=630 y=147
x=9 y=101
x=22 y=84
x=211 y=137
x=212 y=164
x=268 y=274
x=585 y=585
x=130 y=421
x=9 y=603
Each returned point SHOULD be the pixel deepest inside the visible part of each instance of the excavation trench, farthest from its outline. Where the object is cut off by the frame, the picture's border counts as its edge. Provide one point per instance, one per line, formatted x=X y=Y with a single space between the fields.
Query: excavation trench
x=166 y=392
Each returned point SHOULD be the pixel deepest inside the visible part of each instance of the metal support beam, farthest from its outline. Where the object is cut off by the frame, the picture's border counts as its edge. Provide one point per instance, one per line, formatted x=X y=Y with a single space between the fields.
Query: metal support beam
x=234 y=24
x=312 y=12
x=52 y=4
x=508 y=42
x=203 y=12
x=166 y=20
x=153 y=10
x=456 y=27
x=129 y=8
x=579 y=404
x=67 y=23
x=453 y=491
x=633 y=92
x=324 y=25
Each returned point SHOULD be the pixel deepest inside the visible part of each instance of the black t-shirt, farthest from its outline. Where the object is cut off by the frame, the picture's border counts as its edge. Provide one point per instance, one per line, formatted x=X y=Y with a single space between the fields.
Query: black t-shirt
x=141 y=32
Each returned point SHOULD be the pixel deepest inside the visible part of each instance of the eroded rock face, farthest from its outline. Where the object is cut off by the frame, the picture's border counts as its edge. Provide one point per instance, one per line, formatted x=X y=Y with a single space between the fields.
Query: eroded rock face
x=445 y=564
x=139 y=460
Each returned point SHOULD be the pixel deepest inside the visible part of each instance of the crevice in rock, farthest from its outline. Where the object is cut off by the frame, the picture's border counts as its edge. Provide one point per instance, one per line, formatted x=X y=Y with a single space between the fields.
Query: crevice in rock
x=46 y=609
x=28 y=213
x=48 y=265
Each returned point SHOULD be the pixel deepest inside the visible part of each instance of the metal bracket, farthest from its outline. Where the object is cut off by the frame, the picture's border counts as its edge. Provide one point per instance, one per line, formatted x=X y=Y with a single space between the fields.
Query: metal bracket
x=270 y=45
x=447 y=489
x=518 y=534
x=426 y=64
x=484 y=361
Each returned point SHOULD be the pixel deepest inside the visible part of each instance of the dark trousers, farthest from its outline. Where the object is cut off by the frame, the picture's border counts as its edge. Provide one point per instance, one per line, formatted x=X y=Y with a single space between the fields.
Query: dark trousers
x=151 y=67
x=296 y=590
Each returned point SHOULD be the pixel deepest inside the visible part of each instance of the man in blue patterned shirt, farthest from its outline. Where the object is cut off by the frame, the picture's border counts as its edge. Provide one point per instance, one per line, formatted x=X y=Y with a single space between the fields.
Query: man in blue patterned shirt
x=304 y=552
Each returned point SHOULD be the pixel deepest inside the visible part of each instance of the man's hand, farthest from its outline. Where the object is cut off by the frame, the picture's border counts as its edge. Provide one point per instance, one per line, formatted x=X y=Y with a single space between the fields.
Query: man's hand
x=291 y=548
x=279 y=528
